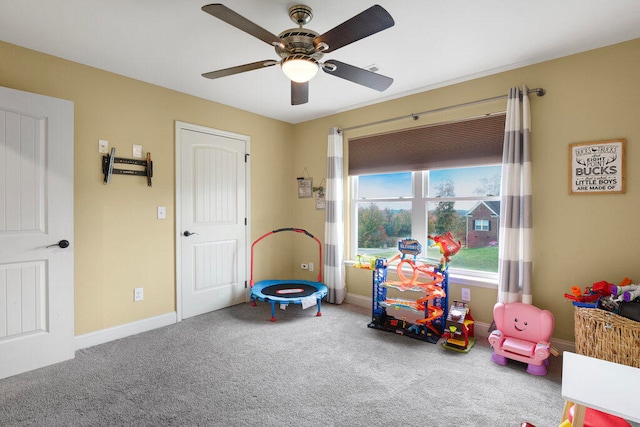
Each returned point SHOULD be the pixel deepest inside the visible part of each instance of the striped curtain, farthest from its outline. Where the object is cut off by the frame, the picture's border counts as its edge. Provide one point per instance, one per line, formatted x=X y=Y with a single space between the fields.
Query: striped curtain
x=334 y=272
x=516 y=227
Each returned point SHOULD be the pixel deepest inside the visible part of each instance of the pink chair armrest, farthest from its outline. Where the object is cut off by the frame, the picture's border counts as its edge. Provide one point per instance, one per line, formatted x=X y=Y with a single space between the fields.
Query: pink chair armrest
x=542 y=350
x=495 y=338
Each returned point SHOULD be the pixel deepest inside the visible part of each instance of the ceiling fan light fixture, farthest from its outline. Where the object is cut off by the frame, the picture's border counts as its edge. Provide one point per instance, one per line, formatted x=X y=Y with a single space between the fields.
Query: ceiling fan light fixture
x=299 y=68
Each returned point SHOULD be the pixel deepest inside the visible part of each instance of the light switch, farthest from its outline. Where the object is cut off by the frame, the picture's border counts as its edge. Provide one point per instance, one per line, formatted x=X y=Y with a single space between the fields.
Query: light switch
x=162 y=212
x=137 y=151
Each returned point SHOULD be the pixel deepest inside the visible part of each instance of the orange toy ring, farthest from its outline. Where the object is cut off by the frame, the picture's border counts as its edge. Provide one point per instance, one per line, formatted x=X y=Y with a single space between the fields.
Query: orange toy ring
x=402 y=277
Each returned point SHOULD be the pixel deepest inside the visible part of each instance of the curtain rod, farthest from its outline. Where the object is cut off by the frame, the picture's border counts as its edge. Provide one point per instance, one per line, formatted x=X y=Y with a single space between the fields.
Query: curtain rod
x=538 y=91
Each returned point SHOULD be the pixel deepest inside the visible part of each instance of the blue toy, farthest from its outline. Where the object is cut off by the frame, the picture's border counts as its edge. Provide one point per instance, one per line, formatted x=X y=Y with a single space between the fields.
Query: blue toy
x=285 y=292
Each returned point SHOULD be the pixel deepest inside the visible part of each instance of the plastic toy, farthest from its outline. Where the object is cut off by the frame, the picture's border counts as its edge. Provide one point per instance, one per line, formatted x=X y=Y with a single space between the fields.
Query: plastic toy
x=577 y=295
x=447 y=244
x=459 y=329
x=624 y=282
x=625 y=293
x=285 y=292
x=595 y=418
x=522 y=333
x=424 y=278
x=365 y=262
x=406 y=284
x=591 y=294
x=602 y=287
x=409 y=247
x=620 y=289
x=629 y=296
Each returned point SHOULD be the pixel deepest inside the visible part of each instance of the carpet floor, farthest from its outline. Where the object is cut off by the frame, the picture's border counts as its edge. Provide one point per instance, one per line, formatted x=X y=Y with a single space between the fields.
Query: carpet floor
x=233 y=367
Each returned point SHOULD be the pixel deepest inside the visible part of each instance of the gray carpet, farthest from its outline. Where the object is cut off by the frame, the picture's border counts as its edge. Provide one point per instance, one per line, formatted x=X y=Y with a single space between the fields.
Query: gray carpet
x=235 y=368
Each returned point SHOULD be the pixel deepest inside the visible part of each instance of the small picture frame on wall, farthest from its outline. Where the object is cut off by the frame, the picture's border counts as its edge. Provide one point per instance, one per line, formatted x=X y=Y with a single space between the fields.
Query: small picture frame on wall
x=320 y=200
x=305 y=188
x=597 y=167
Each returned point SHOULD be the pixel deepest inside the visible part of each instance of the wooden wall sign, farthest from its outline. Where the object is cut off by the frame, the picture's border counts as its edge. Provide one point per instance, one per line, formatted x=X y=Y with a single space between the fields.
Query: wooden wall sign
x=597 y=167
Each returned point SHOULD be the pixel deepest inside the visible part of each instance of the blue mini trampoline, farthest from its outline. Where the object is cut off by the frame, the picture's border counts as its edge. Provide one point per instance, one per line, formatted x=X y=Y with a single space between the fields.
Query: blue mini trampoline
x=286 y=292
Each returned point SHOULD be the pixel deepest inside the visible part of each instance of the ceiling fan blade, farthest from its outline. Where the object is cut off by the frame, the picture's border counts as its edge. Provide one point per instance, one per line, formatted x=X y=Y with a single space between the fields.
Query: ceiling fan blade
x=239 y=69
x=232 y=18
x=357 y=75
x=299 y=93
x=366 y=23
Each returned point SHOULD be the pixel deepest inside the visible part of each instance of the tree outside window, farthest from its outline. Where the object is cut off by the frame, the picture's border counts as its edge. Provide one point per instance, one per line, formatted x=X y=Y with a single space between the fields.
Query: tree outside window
x=391 y=207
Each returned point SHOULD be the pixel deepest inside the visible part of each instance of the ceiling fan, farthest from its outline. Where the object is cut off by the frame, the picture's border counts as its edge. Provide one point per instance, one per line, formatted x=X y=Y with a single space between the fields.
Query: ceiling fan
x=301 y=50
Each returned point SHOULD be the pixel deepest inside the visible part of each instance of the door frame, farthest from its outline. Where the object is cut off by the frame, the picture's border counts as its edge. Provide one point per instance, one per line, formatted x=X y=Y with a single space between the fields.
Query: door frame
x=179 y=126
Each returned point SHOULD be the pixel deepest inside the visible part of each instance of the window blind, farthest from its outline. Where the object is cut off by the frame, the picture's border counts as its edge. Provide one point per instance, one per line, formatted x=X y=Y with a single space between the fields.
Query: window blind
x=471 y=142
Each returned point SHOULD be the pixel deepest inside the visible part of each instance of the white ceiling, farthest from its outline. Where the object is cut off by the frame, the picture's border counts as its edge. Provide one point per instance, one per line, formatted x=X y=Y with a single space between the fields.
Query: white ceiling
x=170 y=43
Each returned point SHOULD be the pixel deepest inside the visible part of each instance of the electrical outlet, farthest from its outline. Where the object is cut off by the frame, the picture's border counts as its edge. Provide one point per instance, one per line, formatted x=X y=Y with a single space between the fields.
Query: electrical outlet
x=138 y=294
x=162 y=212
x=466 y=294
x=310 y=266
x=304 y=266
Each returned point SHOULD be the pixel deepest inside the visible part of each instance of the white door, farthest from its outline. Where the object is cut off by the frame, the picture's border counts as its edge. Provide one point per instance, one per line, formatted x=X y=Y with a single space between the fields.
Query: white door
x=211 y=218
x=36 y=213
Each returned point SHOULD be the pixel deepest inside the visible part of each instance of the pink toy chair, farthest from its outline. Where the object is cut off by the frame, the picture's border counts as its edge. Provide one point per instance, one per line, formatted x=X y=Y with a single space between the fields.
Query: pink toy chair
x=522 y=333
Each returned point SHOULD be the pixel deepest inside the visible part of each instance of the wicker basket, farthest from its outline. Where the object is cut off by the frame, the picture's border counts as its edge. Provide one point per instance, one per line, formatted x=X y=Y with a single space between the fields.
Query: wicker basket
x=607 y=336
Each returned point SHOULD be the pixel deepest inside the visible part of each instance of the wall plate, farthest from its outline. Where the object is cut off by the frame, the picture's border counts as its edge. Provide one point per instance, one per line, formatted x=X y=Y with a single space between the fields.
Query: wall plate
x=137 y=151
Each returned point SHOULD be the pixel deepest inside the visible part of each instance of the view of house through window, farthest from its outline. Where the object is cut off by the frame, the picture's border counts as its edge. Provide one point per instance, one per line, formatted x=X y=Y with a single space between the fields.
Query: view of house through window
x=481 y=224
x=466 y=201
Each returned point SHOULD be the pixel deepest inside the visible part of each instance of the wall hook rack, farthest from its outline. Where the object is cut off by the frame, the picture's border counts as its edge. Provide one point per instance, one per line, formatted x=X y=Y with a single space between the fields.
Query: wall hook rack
x=109 y=159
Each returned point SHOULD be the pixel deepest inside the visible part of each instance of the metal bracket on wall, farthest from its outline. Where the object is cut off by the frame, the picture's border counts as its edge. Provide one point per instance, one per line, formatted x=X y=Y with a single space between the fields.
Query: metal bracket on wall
x=109 y=159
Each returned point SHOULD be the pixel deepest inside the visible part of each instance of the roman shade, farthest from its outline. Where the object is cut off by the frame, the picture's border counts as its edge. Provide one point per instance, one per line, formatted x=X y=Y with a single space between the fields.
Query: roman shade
x=471 y=142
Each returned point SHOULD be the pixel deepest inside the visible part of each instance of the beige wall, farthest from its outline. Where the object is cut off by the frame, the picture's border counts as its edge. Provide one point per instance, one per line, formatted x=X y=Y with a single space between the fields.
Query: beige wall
x=578 y=239
x=120 y=245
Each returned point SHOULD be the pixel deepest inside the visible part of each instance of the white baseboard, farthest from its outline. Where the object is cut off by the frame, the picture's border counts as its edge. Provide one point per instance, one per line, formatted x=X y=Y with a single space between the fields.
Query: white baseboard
x=359 y=300
x=121 y=331
x=563 y=345
x=482 y=332
x=481 y=328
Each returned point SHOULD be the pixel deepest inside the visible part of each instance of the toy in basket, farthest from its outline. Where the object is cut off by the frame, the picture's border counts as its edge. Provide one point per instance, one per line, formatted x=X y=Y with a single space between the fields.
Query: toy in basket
x=591 y=295
x=622 y=299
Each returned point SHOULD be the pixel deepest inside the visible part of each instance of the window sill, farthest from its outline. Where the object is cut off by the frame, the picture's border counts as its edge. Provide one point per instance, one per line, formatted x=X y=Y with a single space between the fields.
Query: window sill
x=459 y=278
x=467 y=280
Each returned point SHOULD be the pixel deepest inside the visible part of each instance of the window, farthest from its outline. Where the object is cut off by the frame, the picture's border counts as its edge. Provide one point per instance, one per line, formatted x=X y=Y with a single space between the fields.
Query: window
x=389 y=207
x=481 y=224
x=454 y=186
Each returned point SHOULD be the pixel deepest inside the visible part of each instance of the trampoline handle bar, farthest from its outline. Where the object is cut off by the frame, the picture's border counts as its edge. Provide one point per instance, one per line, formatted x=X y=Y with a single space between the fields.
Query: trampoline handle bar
x=297 y=230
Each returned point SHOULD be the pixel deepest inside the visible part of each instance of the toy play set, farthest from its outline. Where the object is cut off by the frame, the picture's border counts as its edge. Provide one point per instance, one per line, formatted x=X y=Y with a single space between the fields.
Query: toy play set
x=459 y=329
x=429 y=307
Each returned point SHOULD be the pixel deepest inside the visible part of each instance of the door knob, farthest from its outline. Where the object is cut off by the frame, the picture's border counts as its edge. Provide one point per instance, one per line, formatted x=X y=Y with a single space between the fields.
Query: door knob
x=62 y=243
x=188 y=233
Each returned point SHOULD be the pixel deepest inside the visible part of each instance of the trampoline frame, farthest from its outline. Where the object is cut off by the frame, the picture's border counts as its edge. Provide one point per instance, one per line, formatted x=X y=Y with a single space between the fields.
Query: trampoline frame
x=257 y=288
